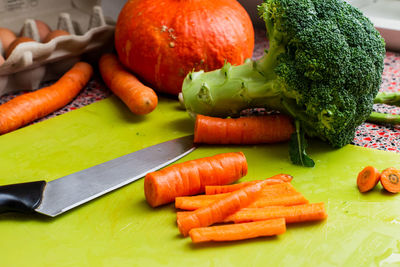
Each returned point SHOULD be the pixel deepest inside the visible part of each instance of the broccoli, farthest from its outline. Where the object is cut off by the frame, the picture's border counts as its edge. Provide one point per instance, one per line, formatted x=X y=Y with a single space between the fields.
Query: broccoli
x=323 y=67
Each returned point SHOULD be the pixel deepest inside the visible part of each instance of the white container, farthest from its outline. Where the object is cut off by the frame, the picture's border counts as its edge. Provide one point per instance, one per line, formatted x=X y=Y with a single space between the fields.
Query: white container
x=33 y=62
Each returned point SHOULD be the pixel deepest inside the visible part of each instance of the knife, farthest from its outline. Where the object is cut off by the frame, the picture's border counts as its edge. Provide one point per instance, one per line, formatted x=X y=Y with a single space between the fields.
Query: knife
x=60 y=195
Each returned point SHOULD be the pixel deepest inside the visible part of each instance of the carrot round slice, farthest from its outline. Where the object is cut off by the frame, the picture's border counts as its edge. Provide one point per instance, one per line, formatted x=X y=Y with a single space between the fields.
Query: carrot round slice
x=390 y=180
x=368 y=179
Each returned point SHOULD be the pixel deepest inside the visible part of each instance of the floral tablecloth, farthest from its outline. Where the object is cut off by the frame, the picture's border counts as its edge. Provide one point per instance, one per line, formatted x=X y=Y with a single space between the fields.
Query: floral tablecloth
x=367 y=135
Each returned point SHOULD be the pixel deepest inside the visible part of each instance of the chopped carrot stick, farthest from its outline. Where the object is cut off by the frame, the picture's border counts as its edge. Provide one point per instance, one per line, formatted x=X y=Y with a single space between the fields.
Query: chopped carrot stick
x=139 y=98
x=244 y=130
x=218 y=189
x=218 y=210
x=289 y=200
x=29 y=107
x=239 y=231
x=368 y=178
x=277 y=194
x=390 y=180
x=191 y=177
x=292 y=214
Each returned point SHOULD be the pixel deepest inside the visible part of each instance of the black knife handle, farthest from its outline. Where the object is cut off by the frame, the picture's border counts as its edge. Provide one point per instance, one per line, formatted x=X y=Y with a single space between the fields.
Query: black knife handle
x=24 y=197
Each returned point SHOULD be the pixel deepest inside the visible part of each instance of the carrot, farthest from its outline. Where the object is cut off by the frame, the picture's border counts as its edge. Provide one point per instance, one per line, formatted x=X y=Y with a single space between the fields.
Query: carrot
x=218 y=189
x=390 y=180
x=218 y=210
x=368 y=178
x=278 y=194
x=244 y=130
x=139 y=98
x=191 y=177
x=28 y=107
x=239 y=231
x=292 y=214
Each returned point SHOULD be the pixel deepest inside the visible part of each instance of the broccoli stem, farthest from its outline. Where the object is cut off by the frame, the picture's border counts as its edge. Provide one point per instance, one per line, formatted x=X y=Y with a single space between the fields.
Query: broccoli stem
x=383 y=118
x=388 y=98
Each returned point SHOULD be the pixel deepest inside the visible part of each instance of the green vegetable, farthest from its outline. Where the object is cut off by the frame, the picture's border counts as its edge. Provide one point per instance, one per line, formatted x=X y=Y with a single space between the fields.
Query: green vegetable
x=297 y=148
x=388 y=98
x=323 y=67
x=384 y=118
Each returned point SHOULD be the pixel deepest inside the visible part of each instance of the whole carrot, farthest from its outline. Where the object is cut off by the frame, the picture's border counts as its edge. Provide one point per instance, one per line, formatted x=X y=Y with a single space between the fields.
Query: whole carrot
x=139 y=98
x=28 y=107
x=218 y=210
x=232 y=232
x=244 y=130
x=191 y=177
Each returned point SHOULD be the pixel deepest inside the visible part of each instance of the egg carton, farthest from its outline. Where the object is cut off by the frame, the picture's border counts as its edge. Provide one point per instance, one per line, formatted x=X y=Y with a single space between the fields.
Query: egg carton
x=31 y=63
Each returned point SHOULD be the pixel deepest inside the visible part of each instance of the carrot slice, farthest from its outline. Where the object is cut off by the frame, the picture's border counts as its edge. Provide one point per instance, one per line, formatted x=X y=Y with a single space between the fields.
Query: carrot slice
x=390 y=180
x=232 y=232
x=368 y=178
x=277 y=194
x=219 y=189
x=191 y=177
x=218 y=210
x=292 y=214
x=29 y=107
x=244 y=130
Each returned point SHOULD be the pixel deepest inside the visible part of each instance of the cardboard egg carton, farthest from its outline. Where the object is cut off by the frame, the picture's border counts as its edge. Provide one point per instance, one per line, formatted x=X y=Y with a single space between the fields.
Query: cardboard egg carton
x=31 y=63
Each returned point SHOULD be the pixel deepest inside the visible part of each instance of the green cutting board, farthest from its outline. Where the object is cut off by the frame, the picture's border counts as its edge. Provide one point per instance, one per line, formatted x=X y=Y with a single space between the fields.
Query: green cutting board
x=120 y=229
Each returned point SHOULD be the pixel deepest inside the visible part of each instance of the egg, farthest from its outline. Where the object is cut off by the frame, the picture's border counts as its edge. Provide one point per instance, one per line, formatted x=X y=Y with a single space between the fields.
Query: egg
x=54 y=34
x=6 y=38
x=1 y=60
x=43 y=30
x=16 y=42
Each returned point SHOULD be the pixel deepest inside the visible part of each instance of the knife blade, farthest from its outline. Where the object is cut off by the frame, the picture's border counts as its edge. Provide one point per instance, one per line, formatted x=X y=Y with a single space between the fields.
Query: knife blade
x=62 y=194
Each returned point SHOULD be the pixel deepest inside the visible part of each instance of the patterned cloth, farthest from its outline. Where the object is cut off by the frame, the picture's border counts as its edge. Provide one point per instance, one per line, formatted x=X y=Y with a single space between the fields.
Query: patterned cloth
x=367 y=135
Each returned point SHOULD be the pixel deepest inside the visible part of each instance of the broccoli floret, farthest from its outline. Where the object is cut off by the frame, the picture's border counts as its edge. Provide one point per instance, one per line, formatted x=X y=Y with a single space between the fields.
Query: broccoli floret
x=323 y=67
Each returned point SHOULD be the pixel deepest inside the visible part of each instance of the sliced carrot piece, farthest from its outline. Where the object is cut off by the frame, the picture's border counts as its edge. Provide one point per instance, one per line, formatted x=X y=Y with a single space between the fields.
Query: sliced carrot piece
x=239 y=231
x=292 y=214
x=218 y=210
x=390 y=180
x=368 y=178
x=218 y=189
x=191 y=177
x=277 y=194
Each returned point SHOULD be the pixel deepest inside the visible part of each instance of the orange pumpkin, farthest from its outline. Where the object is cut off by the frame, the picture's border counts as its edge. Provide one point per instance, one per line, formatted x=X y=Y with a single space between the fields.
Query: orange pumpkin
x=162 y=41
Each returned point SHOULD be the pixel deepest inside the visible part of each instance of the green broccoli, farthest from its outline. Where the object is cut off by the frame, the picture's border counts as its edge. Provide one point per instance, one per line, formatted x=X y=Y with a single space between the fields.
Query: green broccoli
x=323 y=67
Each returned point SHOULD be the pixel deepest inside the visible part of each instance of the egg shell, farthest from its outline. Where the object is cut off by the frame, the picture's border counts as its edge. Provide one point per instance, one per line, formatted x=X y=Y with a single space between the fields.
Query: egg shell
x=42 y=27
x=6 y=37
x=16 y=42
x=54 y=34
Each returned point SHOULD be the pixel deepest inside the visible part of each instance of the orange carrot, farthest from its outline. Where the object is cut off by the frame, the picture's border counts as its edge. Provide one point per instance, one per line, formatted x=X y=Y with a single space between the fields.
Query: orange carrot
x=139 y=98
x=368 y=178
x=191 y=177
x=277 y=194
x=28 y=107
x=218 y=189
x=239 y=231
x=289 y=200
x=218 y=210
x=390 y=180
x=244 y=130
x=292 y=214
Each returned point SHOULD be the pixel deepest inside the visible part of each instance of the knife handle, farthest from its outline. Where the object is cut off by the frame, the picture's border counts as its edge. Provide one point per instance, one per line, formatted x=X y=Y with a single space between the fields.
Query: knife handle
x=24 y=197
